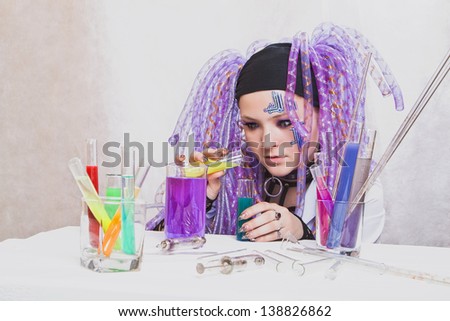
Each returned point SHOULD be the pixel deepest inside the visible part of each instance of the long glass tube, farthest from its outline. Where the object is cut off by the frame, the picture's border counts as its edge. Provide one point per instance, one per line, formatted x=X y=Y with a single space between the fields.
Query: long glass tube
x=380 y=268
x=420 y=104
x=344 y=177
x=353 y=130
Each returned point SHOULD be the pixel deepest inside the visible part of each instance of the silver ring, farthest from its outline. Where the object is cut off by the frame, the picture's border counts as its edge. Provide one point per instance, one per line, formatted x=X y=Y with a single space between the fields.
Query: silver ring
x=277 y=215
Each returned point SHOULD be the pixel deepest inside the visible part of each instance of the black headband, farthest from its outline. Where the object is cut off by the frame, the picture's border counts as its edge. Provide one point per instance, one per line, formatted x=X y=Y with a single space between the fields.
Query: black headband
x=267 y=70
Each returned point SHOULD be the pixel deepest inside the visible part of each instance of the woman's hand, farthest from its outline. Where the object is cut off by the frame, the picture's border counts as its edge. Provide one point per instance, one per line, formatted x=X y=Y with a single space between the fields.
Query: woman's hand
x=213 y=187
x=274 y=222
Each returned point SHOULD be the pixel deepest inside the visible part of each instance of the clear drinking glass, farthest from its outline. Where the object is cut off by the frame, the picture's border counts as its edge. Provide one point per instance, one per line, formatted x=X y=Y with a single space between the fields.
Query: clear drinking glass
x=116 y=251
x=346 y=234
x=185 y=200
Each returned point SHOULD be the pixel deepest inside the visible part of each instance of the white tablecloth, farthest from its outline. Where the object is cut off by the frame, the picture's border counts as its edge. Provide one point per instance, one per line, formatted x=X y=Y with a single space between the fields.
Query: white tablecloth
x=47 y=267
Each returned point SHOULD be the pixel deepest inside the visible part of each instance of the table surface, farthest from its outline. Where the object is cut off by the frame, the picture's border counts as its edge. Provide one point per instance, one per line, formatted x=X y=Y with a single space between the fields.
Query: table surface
x=46 y=266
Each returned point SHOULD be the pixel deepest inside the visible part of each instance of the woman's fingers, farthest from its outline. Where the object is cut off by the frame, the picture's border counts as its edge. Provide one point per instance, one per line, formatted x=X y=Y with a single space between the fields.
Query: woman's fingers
x=196 y=157
x=210 y=154
x=257 y=208
x=273 y=236
x=267 y=225
x=265 y=232
x=179 y=159
x=214 y=154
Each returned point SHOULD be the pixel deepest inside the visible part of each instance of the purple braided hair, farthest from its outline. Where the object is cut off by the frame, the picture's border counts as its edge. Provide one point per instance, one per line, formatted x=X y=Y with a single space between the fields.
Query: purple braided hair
x=337 y=57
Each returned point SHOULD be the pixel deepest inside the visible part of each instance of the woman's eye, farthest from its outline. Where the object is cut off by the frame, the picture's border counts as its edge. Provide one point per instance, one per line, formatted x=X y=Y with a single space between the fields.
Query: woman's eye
x=284 y=123
x=251 y=125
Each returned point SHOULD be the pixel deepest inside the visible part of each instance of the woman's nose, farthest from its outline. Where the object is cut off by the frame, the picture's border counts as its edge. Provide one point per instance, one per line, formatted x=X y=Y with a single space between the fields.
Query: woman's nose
x=268 y=141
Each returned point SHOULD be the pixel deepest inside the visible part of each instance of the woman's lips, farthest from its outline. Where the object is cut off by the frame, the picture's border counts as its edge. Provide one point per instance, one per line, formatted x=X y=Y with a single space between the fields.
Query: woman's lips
x=274 y=159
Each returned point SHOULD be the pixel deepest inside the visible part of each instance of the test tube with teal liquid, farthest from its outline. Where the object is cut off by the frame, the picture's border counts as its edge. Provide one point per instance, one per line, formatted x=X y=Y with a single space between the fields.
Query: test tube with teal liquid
x=245 y=193
x=128 y=191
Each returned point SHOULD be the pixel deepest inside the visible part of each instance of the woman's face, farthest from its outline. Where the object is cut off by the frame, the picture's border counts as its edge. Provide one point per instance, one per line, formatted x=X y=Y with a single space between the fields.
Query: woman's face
x=268 y=130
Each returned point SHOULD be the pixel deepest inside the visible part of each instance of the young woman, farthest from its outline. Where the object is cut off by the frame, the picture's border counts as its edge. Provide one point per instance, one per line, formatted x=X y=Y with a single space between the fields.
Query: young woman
x=281 y=106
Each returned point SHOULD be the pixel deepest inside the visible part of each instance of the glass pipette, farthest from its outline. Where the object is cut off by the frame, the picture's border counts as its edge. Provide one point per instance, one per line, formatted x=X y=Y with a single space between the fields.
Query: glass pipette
x=280 y=266
x=228 y=264
x=218 y=254
x=295 y=265
x=303 y=268
x=381 y=268
x=174 y=244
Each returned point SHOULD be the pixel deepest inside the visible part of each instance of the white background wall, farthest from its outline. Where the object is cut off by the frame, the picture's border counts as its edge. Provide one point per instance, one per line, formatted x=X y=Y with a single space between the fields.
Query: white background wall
x=70 y=70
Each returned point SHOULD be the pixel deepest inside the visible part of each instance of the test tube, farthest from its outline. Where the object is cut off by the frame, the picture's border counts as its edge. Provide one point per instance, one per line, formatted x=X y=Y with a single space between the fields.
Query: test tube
x=141 y=175
x=216 y=165
x=128 y=190
x=344 y=184
x=173 y=244
x=324 y=204
x=113 y=193
x=89 y=192
x=353 y=218
x=112 y=234
x=92 y=172
x=245 y=192
x=229 y=161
